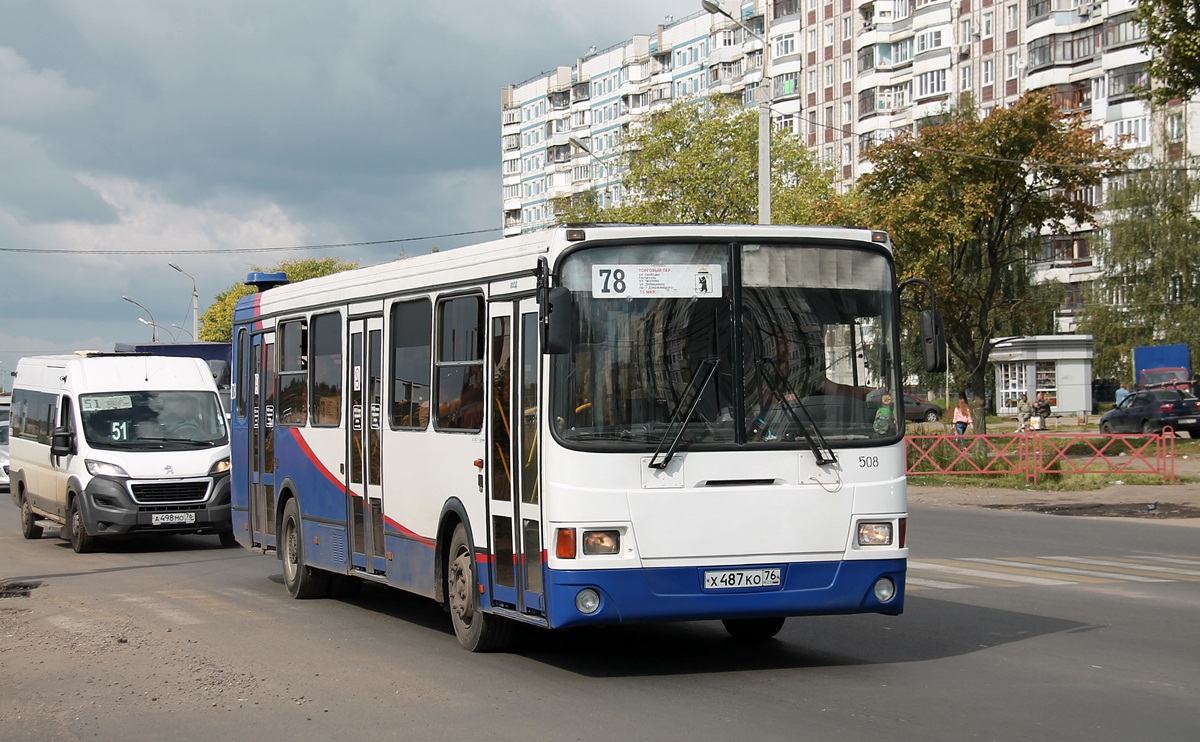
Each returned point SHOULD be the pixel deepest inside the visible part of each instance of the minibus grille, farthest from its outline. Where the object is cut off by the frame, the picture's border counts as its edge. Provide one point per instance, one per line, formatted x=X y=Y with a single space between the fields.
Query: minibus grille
x=163 y=492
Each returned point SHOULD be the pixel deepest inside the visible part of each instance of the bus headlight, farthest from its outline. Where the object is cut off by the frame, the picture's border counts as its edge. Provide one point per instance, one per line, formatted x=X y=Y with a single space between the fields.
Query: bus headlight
x=587 y=601
x=875 y=534
x=885 y=589
x=601 y=542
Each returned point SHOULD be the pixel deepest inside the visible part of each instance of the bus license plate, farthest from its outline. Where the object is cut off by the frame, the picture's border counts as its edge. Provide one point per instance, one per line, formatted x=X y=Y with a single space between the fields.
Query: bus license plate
x=168 y=519
x=733 y=578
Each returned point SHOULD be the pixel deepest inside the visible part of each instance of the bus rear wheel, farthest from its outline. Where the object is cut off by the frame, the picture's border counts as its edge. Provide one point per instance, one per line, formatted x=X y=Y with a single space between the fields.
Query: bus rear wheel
x=754 y=629
x=301 y=580
x=476 y=630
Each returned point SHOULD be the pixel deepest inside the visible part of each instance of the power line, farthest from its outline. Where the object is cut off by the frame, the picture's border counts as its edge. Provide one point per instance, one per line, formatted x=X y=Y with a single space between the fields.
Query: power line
x=216 y=251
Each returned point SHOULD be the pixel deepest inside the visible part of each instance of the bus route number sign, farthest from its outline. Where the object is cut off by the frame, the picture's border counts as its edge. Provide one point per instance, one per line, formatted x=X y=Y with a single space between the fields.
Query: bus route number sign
x=656 y=281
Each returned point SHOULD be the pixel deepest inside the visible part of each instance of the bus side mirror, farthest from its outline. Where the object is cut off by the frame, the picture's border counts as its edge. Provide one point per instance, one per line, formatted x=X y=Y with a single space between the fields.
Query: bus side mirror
x=62 y=442
x=557 y=313
x=933 y=341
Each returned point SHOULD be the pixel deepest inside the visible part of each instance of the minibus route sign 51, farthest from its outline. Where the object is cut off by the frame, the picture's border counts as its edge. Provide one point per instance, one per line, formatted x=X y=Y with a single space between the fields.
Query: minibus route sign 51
x=656 y=281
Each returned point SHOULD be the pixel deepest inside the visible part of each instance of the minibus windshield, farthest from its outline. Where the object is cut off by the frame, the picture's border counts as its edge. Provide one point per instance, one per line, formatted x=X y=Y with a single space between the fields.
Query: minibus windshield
x=152 y=420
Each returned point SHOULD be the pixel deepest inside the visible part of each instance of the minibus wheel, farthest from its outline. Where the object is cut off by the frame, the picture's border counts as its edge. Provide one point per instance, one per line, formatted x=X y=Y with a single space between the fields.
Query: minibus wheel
x=81 y=541
x=29 y=527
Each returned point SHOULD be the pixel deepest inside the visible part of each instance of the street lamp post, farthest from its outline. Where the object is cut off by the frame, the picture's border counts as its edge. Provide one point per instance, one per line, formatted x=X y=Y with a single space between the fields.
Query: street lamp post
x=153 y=325
x=577 y=142
x=144 y=321
x=195 y=301
x=764 y=116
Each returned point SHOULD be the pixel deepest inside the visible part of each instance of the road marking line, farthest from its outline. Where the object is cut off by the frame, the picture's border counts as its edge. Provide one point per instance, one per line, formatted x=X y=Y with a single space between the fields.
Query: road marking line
x=935 y=584
x=1084 y=575
x=165 y=611
x=1141 y=567
x=999 y=574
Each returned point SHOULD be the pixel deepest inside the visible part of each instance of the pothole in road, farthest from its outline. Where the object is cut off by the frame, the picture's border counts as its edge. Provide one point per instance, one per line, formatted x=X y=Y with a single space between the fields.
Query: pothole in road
x=18 y=588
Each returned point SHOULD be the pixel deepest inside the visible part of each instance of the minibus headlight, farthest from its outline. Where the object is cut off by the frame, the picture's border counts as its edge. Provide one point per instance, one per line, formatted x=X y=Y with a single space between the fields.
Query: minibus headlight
x=104 y=469
x=220 y=467
x=601 y=542
x=875 y=534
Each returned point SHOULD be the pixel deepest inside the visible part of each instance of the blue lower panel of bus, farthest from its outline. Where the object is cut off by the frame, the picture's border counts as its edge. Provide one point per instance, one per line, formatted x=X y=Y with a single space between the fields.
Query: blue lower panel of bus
x=678 y=593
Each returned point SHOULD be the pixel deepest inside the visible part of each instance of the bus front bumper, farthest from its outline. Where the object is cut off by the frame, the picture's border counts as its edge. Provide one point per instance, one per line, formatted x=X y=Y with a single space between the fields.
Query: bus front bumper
x=679 y=593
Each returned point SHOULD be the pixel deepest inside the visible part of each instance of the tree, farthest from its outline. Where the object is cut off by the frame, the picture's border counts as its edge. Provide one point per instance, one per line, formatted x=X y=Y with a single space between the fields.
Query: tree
x=1149 y=292
x=216 y=324
x=697 y=162
x=966 y=200
x=1173 y=43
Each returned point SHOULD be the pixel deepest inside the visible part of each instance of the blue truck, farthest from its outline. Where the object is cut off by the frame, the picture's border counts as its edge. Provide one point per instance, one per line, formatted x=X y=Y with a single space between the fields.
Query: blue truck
x=1162 y=367
x=217 y=355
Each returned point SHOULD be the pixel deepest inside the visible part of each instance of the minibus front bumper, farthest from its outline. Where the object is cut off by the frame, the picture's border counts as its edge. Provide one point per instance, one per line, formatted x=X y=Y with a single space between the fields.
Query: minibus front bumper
x=108 y=509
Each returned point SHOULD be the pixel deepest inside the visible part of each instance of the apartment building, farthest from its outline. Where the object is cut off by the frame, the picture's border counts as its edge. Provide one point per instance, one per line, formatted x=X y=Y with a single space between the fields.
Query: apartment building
x=844 y=75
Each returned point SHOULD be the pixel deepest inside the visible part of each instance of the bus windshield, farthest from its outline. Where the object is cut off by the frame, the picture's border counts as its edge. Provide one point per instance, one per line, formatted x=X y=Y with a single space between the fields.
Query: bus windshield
x=723 y=345
x=153 y=420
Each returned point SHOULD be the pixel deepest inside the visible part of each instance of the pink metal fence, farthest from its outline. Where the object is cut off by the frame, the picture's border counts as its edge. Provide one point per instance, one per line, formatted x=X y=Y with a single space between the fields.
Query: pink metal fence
x=1037 y=454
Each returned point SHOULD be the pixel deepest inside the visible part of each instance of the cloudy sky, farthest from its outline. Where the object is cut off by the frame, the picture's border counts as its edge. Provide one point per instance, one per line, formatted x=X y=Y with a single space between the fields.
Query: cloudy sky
x=138 y=133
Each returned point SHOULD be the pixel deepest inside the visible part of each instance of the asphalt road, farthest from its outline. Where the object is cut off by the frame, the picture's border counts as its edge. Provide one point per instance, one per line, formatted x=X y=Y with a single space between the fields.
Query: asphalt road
x=1018 y=626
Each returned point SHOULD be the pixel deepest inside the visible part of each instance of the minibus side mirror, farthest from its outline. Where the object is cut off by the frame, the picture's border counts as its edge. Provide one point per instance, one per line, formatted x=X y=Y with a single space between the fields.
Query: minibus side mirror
x=933 y=341
x=62 y=442
x=558 y=318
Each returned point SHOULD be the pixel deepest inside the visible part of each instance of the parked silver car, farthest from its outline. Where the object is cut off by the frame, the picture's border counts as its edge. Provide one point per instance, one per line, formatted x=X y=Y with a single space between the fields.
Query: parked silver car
x=4 y=456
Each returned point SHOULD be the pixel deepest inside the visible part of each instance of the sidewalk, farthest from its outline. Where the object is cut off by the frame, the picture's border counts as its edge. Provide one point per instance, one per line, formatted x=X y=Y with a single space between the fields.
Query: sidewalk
x=1148 y=501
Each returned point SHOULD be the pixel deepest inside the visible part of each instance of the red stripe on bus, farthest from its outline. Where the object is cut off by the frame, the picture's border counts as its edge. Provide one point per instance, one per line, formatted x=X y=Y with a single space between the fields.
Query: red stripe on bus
x=312 y=457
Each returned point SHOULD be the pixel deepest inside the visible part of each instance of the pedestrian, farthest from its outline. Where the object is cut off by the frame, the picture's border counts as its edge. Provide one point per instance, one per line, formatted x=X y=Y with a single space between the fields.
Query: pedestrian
x=962 y=416
x=1024 y=410
x=1041 y=411
x=1122 y=393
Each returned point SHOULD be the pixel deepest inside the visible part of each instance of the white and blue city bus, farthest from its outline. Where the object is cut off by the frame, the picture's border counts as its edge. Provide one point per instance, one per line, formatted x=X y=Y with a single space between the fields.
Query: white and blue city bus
x=590 y=425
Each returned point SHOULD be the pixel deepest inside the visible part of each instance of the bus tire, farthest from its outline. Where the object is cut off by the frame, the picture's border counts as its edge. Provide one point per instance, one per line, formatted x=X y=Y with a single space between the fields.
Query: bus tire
x=753 y=629
x=476 y=630
x=82 y=542
x=302 y=581
x=29 y=527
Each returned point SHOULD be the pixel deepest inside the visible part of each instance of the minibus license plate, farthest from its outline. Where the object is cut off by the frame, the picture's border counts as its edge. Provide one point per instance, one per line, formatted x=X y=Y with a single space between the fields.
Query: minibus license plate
x=166 y=519
x=730 y=578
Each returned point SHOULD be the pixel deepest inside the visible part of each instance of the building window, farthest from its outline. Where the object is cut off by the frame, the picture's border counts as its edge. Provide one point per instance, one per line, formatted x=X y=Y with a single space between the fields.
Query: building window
x=1047 y=380
x=785 y=45
x=1012 y=383
x=987 y=72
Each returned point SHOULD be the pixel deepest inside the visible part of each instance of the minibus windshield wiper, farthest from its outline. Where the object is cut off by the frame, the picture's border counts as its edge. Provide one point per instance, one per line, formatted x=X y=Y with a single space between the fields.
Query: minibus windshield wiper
x=790 y=402
x=678 y=424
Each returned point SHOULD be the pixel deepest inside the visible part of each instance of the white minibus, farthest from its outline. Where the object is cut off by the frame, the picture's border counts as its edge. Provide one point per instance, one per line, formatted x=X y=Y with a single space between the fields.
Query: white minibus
x=109 y=444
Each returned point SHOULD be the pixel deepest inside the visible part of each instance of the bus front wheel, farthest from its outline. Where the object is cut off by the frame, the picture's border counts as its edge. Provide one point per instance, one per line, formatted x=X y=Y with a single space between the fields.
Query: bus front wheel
x=301 y=580
x=754 y=629
x=476 y=630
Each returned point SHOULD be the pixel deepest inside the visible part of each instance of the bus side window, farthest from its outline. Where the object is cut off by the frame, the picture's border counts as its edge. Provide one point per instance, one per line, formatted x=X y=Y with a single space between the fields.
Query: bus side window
x=460 y=364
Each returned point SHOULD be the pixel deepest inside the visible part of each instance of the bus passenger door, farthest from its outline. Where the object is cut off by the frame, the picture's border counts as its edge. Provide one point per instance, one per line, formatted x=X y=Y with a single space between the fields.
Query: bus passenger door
x=367 y=553
x=515 y=523
x=262 y=441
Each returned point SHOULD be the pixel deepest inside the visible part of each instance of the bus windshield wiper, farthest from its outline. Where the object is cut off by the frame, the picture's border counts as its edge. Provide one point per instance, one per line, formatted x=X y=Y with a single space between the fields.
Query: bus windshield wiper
x=678 y=424
x=790 y=401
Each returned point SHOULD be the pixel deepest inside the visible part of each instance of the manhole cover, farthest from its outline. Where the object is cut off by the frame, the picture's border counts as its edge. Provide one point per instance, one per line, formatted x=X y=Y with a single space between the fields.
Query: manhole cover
x=17 y=589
